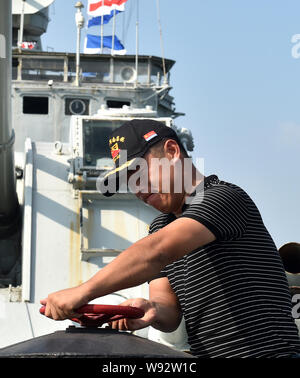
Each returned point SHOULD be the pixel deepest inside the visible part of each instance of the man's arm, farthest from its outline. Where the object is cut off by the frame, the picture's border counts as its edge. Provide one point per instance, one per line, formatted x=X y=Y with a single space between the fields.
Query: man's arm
x=168 y=311
x=162 y=310
x=137 y=264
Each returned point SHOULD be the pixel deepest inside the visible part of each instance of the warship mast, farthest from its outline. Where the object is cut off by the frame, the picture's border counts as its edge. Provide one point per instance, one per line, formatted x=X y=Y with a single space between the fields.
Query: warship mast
x=9 y=205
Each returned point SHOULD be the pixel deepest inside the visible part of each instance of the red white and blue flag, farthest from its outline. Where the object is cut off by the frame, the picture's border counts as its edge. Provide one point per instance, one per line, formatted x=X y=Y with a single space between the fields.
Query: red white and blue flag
x=102 y=11
x=95 y=21
x=105 y=7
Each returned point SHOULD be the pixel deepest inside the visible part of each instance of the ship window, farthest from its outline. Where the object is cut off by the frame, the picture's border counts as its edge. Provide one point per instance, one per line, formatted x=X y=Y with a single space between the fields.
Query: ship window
x=43 y=69
x=117 y=103
x=35 y=105
x=96 y=135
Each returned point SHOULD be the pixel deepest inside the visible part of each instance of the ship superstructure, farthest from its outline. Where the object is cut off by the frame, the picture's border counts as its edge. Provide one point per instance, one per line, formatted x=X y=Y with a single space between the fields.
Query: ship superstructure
x=61 y=120
x=45 y=95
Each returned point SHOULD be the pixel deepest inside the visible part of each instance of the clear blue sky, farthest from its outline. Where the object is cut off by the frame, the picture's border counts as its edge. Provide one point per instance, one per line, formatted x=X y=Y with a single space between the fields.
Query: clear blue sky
x=237 y=82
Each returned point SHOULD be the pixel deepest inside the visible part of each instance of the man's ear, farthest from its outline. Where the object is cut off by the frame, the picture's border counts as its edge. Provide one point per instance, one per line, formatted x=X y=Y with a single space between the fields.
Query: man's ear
x=171 y=149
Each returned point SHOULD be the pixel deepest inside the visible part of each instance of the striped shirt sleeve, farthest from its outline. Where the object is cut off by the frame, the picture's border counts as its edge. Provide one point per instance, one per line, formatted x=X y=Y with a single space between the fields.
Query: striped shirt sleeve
x=222 y=209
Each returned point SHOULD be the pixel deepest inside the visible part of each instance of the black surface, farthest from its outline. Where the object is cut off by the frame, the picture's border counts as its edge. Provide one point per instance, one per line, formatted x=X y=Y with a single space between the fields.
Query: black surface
x=85 y=342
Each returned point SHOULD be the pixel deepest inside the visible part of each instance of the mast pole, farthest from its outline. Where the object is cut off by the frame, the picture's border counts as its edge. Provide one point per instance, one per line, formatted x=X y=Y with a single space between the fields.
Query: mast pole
x=79 y=23
x=137 y=42
x=9 y=205
x=21 y=31
x=161 y=43
x=102 y=29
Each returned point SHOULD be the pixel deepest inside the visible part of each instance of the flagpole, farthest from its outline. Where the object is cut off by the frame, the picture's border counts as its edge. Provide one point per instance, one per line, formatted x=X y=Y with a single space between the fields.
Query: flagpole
x=161 y=43
x=137 y=42
x=123 y=27
x=114 y=33
x=79 y=19
x=21 y=31
x=102 y=27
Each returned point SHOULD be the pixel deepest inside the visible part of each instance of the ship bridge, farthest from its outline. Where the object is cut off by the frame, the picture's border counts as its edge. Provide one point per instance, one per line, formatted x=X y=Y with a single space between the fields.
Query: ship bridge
x=45 y=92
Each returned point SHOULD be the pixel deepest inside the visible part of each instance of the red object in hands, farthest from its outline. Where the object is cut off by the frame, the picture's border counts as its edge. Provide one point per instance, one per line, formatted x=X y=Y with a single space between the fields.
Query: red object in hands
x=97 y=315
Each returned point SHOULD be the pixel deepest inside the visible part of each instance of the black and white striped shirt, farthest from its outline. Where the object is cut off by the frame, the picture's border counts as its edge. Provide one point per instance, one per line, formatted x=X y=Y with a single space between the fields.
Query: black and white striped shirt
x=233 y=292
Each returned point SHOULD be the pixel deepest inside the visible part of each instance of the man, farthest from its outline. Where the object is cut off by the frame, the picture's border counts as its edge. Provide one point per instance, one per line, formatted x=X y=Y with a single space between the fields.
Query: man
x=208 y=256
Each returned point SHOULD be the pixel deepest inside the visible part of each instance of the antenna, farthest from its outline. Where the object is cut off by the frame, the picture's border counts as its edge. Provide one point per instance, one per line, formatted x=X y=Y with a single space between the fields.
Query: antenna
x=161 y=43
x=128 y=19
x=137 y=42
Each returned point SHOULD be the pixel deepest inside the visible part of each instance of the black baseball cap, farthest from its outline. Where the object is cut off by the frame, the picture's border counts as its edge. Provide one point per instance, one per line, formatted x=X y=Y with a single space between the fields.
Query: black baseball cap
x=135 y=137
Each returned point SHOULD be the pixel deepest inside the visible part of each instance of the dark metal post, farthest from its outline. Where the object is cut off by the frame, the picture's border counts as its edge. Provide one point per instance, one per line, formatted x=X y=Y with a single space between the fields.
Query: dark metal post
x=9 y=206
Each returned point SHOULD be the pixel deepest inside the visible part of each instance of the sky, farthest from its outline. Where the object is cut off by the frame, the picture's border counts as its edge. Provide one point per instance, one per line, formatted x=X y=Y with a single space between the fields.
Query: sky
x=236 y=78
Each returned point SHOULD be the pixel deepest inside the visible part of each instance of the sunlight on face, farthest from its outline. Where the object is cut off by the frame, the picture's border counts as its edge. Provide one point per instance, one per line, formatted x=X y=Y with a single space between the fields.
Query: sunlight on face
x=153 y=182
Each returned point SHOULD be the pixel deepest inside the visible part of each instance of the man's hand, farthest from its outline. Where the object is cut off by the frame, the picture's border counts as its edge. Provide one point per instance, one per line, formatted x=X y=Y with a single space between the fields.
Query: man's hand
x=162 y=311
x=63 y=304
x=135 y=324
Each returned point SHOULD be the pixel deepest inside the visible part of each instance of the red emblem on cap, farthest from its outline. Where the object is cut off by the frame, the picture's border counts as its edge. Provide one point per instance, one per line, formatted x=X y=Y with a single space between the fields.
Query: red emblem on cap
x=114 y=153
x=115 y=150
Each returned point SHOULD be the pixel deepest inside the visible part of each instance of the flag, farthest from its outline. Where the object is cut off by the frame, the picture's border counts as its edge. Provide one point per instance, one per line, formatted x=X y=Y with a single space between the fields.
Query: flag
x=92 y=44
x=99 y=8
x=98 y=20
x=28 y=45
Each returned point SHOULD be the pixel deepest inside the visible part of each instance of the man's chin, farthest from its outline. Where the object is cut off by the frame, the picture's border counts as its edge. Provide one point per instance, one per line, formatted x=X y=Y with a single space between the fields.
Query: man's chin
x=152 y=199
x=155 y=201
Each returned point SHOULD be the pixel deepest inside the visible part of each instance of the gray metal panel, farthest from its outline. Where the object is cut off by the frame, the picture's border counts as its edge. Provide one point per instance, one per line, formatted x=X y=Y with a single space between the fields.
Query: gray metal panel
x=114 y=222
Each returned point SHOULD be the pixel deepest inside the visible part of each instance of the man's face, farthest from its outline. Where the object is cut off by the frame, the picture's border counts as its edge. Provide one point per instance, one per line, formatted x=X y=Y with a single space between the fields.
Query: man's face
x=155 y=183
